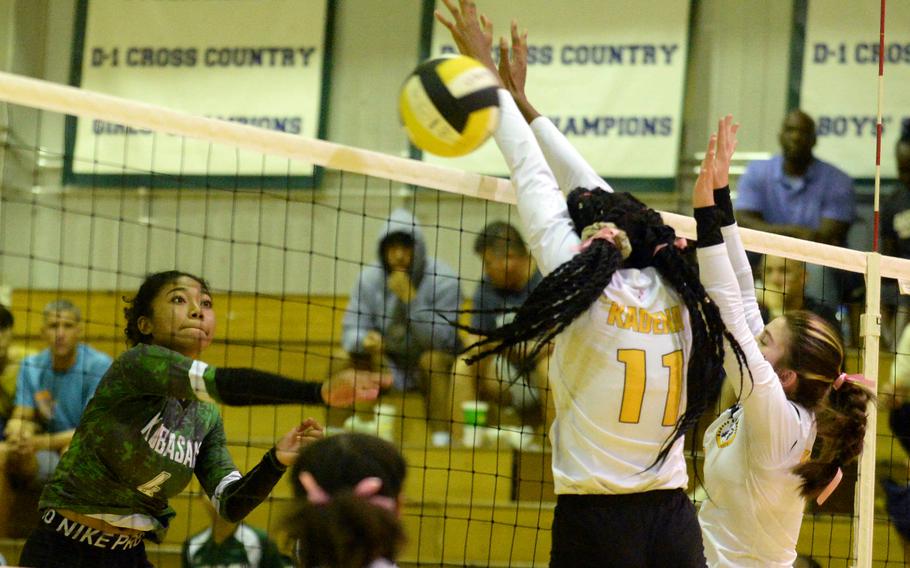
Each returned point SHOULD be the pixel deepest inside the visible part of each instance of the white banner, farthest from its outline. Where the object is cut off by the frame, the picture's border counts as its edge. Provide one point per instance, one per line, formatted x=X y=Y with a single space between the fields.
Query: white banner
x=256 y=62
x=839 y=86
x=609 y=73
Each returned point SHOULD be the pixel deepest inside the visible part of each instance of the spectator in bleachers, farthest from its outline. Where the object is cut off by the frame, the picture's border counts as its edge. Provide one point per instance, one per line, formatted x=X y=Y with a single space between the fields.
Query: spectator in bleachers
x=226 y=544
x=784 y=283
x=797 y=195
x=349 y=488
x=9 y=368
x=395 y=316
x=52 y=390
x=509 y=275
x=896 y=237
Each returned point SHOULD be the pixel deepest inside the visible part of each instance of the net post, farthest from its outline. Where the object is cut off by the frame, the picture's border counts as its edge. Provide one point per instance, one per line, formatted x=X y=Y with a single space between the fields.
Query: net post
x=870 y=329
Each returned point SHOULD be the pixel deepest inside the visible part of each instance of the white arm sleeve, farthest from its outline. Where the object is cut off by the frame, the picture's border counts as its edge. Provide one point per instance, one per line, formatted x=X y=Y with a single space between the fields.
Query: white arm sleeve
x=737 y=253
x=570 y=168
x=774 y=423
x=541 y=207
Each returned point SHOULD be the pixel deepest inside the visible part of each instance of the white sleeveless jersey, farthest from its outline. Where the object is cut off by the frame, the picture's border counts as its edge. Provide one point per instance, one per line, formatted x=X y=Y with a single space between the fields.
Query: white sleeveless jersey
x=618 y=378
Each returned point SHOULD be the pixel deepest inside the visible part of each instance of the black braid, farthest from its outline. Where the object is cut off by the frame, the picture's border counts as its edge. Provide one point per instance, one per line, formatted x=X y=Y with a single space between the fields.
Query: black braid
x=576 y=284
x=704 y=373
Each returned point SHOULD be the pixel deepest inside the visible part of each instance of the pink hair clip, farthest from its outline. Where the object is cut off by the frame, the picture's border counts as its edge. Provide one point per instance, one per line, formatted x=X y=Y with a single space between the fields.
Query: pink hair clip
x=315 y=494
x=368 y=489
x=829 y=489
x=855 y=379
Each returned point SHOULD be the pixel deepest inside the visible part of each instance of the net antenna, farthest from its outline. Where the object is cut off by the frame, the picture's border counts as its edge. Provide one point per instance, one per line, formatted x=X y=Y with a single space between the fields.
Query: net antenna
x=870 y=328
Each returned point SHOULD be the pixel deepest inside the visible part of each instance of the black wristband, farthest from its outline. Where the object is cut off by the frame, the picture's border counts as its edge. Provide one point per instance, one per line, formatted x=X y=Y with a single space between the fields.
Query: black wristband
x=272 y=456
x=248 y=387
x=707 y=226
x=242 y=496
x=725 y=205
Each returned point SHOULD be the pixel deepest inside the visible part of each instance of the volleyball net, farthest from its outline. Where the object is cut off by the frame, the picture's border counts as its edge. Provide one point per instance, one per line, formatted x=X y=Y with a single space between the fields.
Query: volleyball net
x=282 y=262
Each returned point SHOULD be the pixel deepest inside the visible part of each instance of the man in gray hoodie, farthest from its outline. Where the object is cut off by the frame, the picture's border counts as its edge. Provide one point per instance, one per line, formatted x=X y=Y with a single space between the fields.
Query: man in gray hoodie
x=395 y=314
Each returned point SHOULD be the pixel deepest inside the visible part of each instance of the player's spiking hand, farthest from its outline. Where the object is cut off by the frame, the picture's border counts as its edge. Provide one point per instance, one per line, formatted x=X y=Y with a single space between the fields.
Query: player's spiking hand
x=513 y=70
x=473 y=36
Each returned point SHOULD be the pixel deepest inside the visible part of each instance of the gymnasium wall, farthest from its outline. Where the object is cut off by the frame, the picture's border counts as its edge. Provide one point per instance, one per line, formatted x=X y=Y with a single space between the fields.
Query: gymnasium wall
x=738 y=63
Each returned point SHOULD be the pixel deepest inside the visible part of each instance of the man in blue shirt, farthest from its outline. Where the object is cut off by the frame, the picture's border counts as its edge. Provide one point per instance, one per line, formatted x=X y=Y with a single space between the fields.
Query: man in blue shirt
x=795 y=193
x=798 y=195
x=896 y=239
x=52 y=390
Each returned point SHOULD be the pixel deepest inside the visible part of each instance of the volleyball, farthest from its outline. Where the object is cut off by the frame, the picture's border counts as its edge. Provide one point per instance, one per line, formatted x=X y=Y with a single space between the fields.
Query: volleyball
x=449 y=105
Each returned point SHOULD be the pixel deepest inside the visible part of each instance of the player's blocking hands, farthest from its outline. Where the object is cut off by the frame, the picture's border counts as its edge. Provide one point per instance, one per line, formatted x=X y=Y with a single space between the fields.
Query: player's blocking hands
x=352 y=385
x=726 y=146
x=473 y=37
x=703 y=194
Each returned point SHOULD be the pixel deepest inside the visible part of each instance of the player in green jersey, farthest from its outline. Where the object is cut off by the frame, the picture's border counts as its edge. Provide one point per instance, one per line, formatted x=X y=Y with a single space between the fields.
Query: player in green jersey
x=152 y=424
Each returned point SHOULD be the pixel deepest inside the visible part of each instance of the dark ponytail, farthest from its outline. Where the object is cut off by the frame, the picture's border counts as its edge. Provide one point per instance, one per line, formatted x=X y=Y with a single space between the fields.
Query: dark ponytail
x=816 y=355
x=705 y=370
x=841 y=420
x=348 y=530
x=569 y=291
x=344 y=533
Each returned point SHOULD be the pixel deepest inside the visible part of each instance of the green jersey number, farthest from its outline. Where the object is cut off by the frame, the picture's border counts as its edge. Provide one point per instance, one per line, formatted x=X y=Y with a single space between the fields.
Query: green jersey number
x=154 y=484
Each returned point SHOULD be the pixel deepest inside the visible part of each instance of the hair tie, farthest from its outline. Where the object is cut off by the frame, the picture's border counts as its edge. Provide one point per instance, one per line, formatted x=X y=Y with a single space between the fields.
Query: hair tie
x=855 y=379
x=680 y=243
x=832 y=485
x=367 y=489
x=315 y=494
x=608 y=232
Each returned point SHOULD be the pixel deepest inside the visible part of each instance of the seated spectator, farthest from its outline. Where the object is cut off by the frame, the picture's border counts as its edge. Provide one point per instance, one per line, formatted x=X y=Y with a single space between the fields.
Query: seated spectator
x=798 y=195
x=349 y=490
x=509 y=276
x=52 y=390
x=226 y=544
x=9 y=368
x=795 y=193
x=784 y=283
x=395 y=316
x=896 y=239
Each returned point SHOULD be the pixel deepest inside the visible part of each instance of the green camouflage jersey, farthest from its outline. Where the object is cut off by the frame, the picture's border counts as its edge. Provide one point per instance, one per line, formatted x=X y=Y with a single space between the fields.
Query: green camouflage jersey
x=150 y=426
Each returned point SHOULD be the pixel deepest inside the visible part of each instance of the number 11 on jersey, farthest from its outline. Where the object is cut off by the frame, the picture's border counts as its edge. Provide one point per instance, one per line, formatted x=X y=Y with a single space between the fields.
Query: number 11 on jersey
x=635 y=381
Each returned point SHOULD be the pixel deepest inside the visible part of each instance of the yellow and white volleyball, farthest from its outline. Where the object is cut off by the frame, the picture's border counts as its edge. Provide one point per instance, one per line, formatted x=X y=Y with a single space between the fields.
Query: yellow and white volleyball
x=449 y=105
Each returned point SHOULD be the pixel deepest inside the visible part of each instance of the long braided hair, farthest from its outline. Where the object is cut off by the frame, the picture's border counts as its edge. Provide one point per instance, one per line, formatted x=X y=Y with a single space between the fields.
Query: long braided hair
x=569 y=291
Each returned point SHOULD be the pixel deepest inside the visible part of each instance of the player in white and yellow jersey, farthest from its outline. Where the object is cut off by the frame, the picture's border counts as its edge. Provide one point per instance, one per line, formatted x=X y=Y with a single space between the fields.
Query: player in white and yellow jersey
x=758 y=471
x=639 y=346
